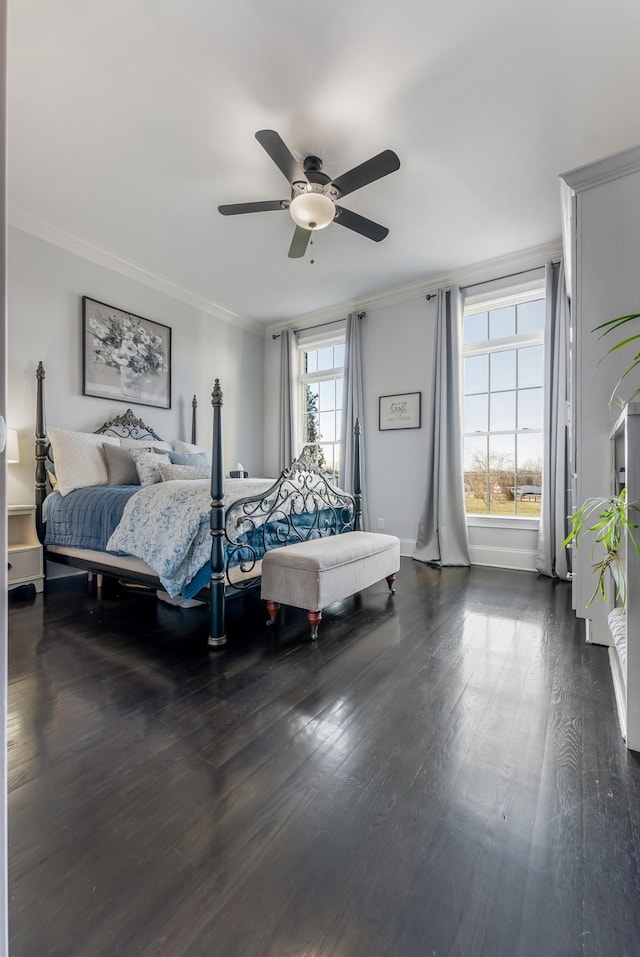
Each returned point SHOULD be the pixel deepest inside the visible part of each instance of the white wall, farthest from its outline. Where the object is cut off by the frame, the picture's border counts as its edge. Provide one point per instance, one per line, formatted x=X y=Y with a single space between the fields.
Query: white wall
x=398 y=347
x=45 y=289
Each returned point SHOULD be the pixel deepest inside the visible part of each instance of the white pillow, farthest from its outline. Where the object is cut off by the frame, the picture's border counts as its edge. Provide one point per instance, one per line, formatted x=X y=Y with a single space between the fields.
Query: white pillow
x=146 y=444
x=78 y=458
x=147 y=465
x=179 y=446
x=171 y=472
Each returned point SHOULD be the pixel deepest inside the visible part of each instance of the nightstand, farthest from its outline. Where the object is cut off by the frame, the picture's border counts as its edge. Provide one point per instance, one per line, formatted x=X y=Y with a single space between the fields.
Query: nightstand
x=24 y=550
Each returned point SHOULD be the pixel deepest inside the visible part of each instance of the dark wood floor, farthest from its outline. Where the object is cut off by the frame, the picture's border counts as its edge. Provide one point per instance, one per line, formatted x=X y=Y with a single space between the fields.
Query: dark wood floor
x=441 y=775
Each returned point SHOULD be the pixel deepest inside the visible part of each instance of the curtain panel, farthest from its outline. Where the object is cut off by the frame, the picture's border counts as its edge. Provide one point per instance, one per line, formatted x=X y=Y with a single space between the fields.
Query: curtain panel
x=352 y=409
x=442 y=533
x=287 y=399
x=552 y=559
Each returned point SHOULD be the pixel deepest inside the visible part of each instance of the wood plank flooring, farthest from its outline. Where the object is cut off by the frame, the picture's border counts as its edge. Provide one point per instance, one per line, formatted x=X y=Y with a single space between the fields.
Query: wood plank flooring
x=442 y=774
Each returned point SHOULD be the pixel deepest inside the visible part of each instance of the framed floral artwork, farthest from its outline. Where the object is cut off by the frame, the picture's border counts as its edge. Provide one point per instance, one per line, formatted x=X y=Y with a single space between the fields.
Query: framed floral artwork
x=125 y=357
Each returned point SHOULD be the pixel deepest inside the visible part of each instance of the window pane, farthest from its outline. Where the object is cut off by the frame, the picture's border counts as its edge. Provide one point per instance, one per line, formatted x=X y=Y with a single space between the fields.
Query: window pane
x=530 y=454
x=325 y=358
x=327 y=395
x=501 y=492
x=339 y=355
x=476 y=413
x=530 y=409
x=336 y=459
x=501 y=473
x=530 y=366
x=312 y=361
x=338 y=425
x=328 y=426
x=339 y=393
x=313 y=396
x=503 y=370
x=502 y=450
x=531 y=316
x=325 y=463
x=476 y=327
x=311 y=412
x=502 y=322
x=503 y=411
x=476 y=374
x=475 y=475
x=529 y=475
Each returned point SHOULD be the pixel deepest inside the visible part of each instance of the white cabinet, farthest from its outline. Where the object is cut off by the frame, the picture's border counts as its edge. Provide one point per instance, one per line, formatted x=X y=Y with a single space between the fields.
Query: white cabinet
x=24 y=551
x=601 y=226
x=624 y=654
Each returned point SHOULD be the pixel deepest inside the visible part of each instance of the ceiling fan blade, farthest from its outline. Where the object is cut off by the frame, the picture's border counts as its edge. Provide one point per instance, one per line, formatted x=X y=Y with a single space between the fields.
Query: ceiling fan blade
x=359 y=224
x=373 y=169
x=281 y=155
x=268 y=205
x=299 y=243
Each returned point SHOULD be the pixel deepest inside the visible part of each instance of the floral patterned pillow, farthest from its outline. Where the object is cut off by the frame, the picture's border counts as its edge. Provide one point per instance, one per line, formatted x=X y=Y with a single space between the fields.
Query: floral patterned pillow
x=171 y=472
x=147 y=465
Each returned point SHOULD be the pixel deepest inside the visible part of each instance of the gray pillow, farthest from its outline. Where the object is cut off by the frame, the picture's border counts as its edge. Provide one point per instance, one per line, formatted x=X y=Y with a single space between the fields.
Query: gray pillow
x=120 y=465
x=189 y=458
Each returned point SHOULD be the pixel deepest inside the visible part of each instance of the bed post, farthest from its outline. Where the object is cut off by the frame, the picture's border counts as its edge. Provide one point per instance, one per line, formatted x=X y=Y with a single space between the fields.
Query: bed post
x=217 y=636
x=357 y=477
x=41 y=451
x=194 y=431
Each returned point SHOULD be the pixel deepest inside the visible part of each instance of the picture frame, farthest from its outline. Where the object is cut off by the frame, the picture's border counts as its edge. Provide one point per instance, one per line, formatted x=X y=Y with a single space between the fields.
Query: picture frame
x=401 y=411
x=124 y=356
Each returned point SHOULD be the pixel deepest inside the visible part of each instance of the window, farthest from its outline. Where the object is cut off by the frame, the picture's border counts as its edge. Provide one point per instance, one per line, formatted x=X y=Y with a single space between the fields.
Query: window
x=503 y=356
x=321 y=379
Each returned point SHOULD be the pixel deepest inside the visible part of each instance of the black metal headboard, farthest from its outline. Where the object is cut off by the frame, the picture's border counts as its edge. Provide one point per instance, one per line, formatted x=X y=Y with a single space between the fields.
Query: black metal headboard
x=124 y=426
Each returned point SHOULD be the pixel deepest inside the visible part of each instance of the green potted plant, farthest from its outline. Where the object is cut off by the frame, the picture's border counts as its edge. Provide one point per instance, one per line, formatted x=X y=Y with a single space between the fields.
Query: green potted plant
x=608 y=519
x=612 y=325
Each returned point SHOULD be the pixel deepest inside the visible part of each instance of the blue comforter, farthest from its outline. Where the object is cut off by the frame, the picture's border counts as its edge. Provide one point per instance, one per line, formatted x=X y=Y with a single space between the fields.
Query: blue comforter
x=87 y=517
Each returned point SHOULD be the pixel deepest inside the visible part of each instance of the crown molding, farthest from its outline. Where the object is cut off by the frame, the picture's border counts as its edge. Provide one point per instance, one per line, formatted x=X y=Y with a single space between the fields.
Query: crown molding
x=603 y=171
x=497 y=268
x=126 y=267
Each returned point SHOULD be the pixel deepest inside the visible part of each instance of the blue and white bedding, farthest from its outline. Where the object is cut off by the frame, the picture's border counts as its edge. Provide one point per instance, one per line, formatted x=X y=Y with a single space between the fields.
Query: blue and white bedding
x=167 y=525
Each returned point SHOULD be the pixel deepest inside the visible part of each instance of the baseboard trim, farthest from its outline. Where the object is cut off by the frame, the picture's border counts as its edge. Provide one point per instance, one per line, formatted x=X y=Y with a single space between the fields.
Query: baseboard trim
x=407 y=547
x=518 y=559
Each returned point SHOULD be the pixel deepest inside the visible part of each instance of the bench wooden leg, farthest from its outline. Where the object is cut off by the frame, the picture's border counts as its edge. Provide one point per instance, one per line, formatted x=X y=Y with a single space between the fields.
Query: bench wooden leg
x=314 y=620
x=390 y=580
x=272 y=608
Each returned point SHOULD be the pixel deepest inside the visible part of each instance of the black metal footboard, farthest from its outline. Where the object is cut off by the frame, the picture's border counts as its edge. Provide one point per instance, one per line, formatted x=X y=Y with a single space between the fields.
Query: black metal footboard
x=301 y=505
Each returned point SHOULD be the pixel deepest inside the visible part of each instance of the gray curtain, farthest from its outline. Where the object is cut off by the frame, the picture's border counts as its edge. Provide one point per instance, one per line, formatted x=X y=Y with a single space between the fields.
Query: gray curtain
x=287 y=441
x=552 y=558
x=442 y=532
x=352 y=409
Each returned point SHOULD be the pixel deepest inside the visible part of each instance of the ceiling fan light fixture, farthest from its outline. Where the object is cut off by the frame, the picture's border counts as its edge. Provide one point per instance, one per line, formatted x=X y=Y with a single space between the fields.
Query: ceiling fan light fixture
x=312 y=210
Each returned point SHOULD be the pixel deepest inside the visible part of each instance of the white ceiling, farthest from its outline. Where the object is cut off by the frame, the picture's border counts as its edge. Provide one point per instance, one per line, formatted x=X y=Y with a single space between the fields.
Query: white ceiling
x=131 y=120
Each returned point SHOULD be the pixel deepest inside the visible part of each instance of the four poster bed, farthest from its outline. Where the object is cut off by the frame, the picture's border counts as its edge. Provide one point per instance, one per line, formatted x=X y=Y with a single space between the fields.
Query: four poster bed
x=180 y=532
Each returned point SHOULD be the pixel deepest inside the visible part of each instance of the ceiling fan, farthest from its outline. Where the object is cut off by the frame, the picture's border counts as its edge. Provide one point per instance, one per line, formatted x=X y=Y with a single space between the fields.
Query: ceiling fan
x=313 y=203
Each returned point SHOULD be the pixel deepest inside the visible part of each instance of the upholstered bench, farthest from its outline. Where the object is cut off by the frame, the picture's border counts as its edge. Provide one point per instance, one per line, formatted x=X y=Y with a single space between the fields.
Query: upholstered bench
x=318 y=572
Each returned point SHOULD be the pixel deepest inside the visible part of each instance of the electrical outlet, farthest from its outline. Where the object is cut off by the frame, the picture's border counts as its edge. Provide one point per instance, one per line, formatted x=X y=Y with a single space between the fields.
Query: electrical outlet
x=380 y=523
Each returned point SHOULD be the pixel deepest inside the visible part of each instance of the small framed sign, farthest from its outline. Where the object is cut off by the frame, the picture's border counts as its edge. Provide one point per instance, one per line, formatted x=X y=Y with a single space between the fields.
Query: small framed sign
x=400 y=411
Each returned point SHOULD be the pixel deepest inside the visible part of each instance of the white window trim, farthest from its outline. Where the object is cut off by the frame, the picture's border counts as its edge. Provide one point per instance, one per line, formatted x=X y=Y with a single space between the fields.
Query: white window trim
x=524 y=292
x=333 y=338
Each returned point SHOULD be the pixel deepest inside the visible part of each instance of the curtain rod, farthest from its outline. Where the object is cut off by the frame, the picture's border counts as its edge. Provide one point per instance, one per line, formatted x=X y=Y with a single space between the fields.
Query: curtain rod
x=509 y=275
x=276 y=335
